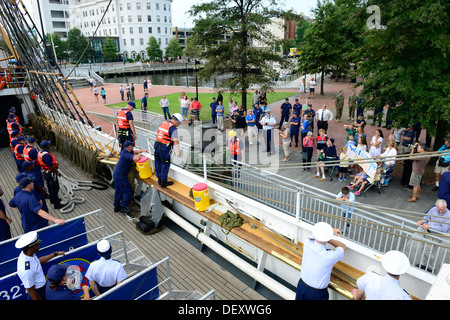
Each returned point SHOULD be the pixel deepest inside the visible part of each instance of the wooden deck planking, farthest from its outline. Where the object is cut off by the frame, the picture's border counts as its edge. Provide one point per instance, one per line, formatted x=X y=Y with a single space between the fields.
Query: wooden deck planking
x=190 y=268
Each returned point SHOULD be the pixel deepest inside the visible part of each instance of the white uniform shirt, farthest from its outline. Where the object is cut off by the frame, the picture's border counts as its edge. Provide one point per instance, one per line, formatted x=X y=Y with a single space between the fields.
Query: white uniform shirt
x=377 y=287
x=270 y=121
x=106 y=272
x=318 y=261
x=30 y=271
x=327 y=115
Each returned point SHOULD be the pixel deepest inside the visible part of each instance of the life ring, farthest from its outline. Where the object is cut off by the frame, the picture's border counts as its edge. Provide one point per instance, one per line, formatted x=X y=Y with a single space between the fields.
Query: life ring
x=2 y=82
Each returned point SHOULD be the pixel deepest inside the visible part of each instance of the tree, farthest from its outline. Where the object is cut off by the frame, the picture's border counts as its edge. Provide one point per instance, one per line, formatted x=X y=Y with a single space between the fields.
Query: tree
x=237 y=42
x=154 y=51
x=60 y=47
x=192 y=50
x=406 y=62
x=331 y=39
x=109 y=49
x=173 y=49
x=77 y=44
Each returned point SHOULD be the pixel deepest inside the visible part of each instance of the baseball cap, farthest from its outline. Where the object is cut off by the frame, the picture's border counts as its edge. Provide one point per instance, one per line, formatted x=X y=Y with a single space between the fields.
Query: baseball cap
x=24 y=182
x=15 y=132
x=31 y=140
x=128 y=143
x=26 y=164
x=45 y=143
x=20 y=138
x=20 y=176
x=57 y=272
x=28 y=240
x=131 y=103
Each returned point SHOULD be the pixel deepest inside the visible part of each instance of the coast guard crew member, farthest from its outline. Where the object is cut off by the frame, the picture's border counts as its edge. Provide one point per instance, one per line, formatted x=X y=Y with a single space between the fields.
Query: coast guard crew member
x=105 y=273
x=166 y=137
x=18 y=153
x=32 y=215
x=29 y=266
x=50 y=165
x=125 y=124
x=36 y=177
x=56 y=287
x=318 y=262
x=378 y=287
x=123 y=190
x=5 y=230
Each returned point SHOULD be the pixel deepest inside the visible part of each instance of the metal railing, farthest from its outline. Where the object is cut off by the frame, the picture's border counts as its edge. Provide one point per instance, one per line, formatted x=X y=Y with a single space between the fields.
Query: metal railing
x=368 y=226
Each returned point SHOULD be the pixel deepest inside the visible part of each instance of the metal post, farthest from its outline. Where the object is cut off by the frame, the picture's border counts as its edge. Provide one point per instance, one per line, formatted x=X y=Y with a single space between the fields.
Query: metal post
x=205 y=177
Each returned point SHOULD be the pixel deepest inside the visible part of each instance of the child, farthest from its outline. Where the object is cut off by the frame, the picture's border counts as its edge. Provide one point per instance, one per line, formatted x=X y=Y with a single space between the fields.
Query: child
x=343 y=164
x=350 y=128
x=350 y=141
x=360 y=178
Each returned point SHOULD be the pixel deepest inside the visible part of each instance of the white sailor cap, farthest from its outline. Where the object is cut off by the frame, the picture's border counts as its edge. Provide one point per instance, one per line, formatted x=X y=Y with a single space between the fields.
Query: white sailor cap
x=322 y=232
x=103 y=247
x=395 y=262
x=28 y=240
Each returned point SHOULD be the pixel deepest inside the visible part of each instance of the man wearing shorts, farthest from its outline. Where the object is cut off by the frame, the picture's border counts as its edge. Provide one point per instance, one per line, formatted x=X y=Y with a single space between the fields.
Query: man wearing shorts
x=418 y=169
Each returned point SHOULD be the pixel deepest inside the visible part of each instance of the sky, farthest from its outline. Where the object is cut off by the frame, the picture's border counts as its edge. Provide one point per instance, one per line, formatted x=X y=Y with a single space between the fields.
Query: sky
x=180 y=17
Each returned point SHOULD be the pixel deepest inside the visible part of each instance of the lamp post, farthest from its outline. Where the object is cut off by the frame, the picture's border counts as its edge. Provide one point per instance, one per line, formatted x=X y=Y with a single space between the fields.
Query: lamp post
x=196 y=68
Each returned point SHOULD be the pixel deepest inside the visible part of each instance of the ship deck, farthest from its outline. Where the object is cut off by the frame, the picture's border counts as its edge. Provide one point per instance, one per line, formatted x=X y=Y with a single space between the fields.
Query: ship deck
x=190 y=268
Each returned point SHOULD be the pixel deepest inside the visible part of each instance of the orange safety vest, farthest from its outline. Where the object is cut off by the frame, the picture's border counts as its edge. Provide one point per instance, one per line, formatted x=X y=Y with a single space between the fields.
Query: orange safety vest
x=234 y=147
x=122 y=121
x=163 y=132
x=16 y=153
x=26 y=152
x=43 y=165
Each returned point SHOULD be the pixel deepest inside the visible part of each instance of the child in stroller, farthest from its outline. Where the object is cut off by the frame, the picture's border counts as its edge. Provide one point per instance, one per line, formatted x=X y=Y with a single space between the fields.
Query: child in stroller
x=365 y=182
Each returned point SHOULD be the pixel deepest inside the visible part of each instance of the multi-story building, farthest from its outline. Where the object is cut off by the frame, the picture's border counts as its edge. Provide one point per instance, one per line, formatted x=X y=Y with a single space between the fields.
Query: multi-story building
x=54 y=14
x=130 y=22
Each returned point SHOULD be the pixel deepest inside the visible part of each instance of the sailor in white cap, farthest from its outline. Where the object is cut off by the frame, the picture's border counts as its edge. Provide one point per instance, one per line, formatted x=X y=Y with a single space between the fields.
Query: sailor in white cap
x=318 y=261
x=378 y=287
x=29 y=266
x=105 y=273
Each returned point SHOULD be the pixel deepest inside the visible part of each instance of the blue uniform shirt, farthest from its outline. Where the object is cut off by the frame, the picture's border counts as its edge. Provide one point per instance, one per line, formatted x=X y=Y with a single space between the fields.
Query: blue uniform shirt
x=295 y=127
x=257 y=112
x=61 y=293
x=297 y=107
x=286 y=108
x=123 y=165
x=28 y=206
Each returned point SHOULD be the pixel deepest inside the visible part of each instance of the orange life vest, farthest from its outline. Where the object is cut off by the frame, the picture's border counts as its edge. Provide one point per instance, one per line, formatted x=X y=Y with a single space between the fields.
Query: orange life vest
x=26 y=152
x=41 y=162
x=16 y=153
x=234 y=147
x=163 y=132
x=122 y=121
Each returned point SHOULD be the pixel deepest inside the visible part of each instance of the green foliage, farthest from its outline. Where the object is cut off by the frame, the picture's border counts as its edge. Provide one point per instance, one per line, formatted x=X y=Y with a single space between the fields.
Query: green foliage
x=76 y=44
x=173 y=49
x=154 y=51
x=60 y=47
x=109 y=49
x=249 y=47
x=407 y=62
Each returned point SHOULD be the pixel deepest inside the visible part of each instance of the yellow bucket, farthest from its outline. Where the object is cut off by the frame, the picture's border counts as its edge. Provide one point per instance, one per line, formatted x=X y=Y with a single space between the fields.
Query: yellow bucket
x=201 y=196
x=143 y=165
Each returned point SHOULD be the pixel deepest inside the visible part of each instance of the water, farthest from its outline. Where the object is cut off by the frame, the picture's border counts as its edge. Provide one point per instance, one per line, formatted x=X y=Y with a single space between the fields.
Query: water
x=170 y=79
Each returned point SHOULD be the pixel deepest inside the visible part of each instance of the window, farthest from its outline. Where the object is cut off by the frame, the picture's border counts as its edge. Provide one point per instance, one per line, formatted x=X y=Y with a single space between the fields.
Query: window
x=121 y=18
x=141 y=41
x=159 y=29
x=150 y=30
x=141 y=30
x=131 y=30
x=157 y=6
x=130 y=19
x=158 y=18
x=138 y=5
x=120 y=7
x=149 y=6
x=128 y=6
x=132 y=41
x=139 y=18
x=149 y=18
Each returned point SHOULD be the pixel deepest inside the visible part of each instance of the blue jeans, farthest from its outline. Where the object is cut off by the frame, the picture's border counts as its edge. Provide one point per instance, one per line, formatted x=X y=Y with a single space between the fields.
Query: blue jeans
x=166 y=113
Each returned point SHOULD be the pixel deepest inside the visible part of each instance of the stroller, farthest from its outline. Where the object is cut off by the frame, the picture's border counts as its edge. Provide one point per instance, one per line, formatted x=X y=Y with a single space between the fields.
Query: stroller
x=195 y=116
x=333 y=167
x=374 y=182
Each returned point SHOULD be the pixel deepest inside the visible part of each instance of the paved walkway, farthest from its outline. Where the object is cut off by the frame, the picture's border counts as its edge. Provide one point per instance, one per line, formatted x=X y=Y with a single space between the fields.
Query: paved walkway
x=395 y=194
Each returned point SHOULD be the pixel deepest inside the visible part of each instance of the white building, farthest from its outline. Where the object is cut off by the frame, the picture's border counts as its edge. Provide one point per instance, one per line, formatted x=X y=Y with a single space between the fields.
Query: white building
x=54 y=13
x=130 y=22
